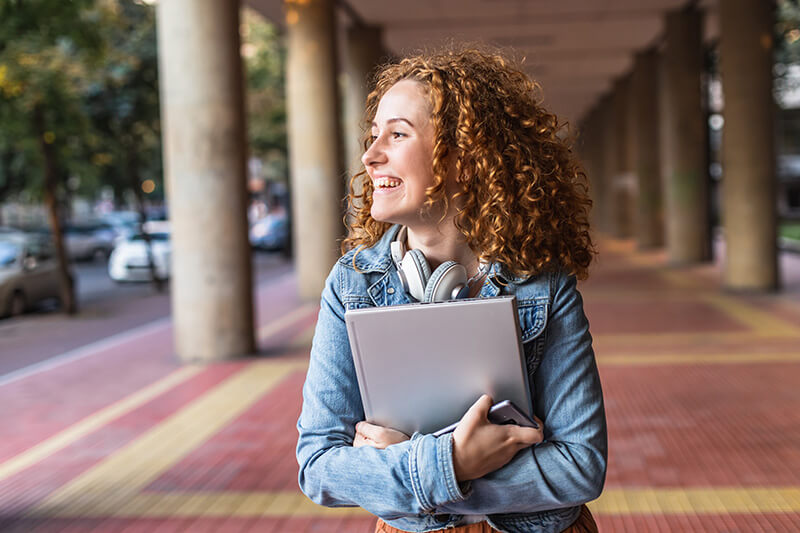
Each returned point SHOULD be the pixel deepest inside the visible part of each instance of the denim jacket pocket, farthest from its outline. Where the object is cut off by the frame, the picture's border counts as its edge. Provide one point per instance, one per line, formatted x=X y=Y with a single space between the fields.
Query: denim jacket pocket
x=532 y=320
x=356 y=302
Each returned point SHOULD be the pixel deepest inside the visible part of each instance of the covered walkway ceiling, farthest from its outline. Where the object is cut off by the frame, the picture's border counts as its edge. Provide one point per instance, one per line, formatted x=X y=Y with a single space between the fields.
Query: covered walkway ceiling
x=574 y=48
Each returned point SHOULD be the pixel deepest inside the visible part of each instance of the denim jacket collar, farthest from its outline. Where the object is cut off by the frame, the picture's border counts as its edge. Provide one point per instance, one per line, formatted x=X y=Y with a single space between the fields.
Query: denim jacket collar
x=378 y=258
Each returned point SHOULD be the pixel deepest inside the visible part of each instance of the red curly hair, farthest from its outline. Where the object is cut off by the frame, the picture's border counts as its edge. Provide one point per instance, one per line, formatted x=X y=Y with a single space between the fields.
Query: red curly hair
x=523 y=196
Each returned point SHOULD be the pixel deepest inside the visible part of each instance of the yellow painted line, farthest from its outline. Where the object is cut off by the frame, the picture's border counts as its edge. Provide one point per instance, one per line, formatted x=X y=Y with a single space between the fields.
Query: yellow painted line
x=94 y=422
x=625 y=247
x=646 y=259
x=652 y=340
x=763 y=322
x=716 y=500
x=728 y=358
x=285 y=321
x=111 y=484
x=227 y=503
x=682 y=278
x=647 y=501
x=647 y=295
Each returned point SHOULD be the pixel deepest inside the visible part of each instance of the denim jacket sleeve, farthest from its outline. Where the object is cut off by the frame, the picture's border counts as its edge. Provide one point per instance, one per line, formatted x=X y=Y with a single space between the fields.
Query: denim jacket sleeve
x=404 y=479
x=569 y=467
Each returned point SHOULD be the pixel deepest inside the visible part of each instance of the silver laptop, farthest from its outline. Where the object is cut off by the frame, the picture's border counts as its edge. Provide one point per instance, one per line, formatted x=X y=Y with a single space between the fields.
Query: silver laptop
x=421 y=366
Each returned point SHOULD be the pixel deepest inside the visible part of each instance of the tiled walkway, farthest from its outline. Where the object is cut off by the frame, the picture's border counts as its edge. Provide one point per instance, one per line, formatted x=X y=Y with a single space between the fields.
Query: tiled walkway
x=702 y=390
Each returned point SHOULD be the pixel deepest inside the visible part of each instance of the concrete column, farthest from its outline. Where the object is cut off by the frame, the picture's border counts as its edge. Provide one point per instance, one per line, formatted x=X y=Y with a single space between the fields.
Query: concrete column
x=596 y=177
x=648 y=227
x=683 y=156
x=584 y=151
x=749 y=186
x=592 y=155
x=623 y=179
x=363 y=55
x=202 y=109
x=608 y=119
x=315 y=152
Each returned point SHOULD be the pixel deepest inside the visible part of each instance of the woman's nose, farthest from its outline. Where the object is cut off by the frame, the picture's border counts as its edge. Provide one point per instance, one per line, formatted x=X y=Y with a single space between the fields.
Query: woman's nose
x=374 y=154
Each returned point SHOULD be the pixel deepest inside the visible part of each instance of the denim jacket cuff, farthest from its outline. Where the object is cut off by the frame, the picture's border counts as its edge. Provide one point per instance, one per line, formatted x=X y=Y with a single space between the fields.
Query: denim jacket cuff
x=433 y=476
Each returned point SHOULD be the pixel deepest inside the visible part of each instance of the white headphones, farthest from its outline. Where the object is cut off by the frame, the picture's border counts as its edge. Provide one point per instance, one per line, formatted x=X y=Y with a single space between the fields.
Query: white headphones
x=448 y=282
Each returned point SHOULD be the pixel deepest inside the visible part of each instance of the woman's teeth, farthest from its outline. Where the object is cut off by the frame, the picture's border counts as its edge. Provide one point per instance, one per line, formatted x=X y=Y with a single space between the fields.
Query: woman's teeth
x=386 y=183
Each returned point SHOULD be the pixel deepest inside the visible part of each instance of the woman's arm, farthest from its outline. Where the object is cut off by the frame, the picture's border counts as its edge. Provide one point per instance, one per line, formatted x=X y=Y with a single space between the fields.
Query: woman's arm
x=569 y=467
x=409 y=478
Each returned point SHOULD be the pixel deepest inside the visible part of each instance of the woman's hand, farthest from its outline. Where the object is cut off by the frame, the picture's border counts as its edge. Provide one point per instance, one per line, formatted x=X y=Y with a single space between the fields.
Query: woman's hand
x=377 y=436
x=480 y=447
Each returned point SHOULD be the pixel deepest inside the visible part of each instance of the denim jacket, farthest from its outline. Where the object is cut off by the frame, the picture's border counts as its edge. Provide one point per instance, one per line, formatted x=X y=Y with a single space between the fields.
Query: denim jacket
x=412 y=485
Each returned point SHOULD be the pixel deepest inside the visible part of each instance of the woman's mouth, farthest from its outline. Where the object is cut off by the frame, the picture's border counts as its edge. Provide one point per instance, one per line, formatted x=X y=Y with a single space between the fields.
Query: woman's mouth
x=385 y=183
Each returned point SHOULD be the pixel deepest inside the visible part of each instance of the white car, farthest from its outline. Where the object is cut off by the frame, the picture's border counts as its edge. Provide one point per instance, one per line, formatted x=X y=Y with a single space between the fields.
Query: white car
x=129 y=260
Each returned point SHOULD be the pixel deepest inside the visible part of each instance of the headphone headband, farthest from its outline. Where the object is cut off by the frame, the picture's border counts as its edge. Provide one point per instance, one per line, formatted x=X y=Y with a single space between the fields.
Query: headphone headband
x=398 y=246
x=448 y=282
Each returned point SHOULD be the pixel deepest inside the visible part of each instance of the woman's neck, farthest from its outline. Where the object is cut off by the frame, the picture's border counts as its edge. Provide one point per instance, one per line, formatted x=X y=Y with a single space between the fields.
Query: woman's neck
x=443 y=243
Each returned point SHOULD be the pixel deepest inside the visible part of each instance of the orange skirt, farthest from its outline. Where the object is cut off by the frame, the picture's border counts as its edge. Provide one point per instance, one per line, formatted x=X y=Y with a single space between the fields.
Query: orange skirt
x=584 y=524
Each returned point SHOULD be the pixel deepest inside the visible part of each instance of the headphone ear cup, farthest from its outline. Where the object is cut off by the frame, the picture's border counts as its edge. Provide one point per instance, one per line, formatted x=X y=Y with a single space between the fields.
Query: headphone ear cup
x=417 y=273
x=444 y=280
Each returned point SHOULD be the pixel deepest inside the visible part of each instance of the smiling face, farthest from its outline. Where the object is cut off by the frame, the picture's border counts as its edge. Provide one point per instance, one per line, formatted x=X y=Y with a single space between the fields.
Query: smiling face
x=400 y=160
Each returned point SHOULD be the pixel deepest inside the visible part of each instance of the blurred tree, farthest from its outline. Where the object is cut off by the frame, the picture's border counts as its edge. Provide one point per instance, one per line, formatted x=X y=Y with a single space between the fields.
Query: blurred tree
x=264 y=56
x=15 y=152
x=45 y=49
x=122 y=100
x=787 y=31
x=123 y=106
x=787 y=45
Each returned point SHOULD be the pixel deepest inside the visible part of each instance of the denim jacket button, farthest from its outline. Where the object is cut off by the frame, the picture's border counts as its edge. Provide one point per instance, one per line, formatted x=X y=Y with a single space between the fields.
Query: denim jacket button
x=390 y=290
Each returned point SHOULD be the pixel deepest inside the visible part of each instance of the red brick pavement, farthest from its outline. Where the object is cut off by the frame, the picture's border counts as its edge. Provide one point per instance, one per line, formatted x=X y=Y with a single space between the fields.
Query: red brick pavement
x=701 y=393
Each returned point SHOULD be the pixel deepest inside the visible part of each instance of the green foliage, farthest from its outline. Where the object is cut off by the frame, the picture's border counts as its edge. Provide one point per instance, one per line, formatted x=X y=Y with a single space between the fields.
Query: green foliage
x=92 y=66
x=790 y=230
x=787 y=43
x=264 y=59
x=787 y=32
x=69 y=24
x=47 y=49
x=122 y=102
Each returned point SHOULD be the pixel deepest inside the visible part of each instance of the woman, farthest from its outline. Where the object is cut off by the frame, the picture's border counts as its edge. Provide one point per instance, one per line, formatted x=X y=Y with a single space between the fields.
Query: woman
x=465 y=165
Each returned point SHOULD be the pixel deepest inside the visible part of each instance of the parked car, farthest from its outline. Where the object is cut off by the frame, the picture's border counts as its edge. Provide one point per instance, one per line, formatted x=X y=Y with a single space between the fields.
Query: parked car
x=28 y=272
x=271 y=232
x=124 y=224
x=129 y=260
x=89 y=241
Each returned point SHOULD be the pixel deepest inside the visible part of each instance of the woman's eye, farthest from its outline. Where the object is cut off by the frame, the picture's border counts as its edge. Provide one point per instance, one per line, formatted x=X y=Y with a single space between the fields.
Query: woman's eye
x=397 y=134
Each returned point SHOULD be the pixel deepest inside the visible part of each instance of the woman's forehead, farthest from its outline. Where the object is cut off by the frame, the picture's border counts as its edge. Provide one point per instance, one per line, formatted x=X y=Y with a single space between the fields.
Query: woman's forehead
x=407 y=100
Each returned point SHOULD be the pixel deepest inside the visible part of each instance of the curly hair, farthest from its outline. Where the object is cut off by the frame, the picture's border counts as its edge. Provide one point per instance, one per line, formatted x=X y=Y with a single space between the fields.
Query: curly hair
x=522 y=195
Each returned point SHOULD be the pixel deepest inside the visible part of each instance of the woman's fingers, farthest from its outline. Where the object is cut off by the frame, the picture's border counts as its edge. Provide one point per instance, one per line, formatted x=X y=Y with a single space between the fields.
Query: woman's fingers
x=480 y=447
x=367 y=429
x=377 y=436
x=525 y=436
x=360 y=440
x=477 y=413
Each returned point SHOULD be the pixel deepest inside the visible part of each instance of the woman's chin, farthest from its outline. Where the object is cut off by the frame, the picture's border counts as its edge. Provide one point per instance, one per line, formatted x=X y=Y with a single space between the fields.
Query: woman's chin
x=380 y=215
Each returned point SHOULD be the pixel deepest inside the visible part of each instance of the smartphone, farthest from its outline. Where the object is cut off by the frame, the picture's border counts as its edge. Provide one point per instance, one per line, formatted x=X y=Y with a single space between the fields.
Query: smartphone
x=501 y=413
